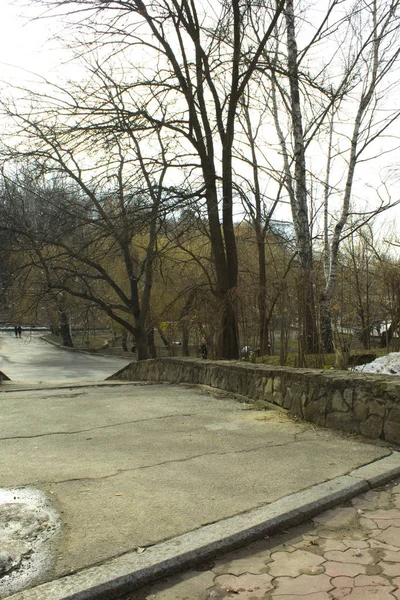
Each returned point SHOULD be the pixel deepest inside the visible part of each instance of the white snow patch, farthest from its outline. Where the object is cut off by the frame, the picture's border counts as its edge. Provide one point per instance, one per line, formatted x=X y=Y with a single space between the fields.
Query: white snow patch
x=385 y=365
x=29 y=528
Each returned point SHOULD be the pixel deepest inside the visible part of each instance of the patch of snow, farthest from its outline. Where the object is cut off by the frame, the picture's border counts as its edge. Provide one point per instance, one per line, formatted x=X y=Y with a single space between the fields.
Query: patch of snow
x=29 y=528
x=385 y=365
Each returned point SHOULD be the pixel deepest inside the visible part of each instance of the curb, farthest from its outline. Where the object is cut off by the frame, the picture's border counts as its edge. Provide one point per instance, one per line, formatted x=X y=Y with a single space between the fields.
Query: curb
x=69 y=348
x=132 y=570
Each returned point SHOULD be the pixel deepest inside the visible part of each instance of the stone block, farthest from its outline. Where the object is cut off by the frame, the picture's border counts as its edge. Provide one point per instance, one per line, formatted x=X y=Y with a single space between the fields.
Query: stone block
x=269 y=386
x=337 y=402
x=315 y=411
x=363 y=396
x=392 y=426
x=394 y=415
x=343 y=421
x=376 y=408
x=296 y=406
x=372 y=427
x=360 y=411
x=348 y=396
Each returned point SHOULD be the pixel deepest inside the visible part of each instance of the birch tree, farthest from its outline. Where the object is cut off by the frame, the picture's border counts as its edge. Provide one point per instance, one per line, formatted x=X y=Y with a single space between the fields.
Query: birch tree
x=336 y=101
x=376 y=45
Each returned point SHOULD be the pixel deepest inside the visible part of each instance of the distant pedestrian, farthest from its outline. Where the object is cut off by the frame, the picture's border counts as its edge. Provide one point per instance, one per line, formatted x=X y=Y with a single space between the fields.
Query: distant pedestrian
x=245 y=352
x=19 y=330
x=16 y=331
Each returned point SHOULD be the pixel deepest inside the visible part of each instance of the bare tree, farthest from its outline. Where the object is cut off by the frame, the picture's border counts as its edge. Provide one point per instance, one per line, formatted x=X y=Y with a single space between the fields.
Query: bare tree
x=375 y=42
x=316 y=104
x=101 y=242
x=204 y=62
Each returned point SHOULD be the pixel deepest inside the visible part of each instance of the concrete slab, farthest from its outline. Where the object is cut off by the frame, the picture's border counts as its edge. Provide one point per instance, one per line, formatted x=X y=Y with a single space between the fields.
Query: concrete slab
x=130 y=466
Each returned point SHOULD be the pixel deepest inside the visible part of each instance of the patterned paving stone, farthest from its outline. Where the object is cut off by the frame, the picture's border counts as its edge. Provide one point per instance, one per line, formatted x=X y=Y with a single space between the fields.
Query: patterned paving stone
x=391 y=535
x=367 y=580
x=349 y=543
x=328 y=544
x=255 y=563
x=336 y=569
x=370 y=500
x=381 y=545
x=342 y=582
x=244 y=587
x=370 y=593
x=390 y=556
x=367 y=523
x=337 y=518
x=312 y=596
x=302 y=585
x=386 y=515
x=391 y=569
x=190 y=585
x=340 y=594
x=293 y=564
x=384 y=524
x=355 y=532
x=351 y=555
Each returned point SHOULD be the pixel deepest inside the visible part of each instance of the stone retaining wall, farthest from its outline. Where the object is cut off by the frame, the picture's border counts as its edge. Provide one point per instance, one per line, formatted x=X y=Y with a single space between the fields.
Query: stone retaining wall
x=365 y=404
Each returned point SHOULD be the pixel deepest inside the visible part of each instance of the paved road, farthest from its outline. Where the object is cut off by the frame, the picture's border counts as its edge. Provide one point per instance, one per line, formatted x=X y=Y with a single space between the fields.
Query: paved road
x=31 y=359
x=348 y=553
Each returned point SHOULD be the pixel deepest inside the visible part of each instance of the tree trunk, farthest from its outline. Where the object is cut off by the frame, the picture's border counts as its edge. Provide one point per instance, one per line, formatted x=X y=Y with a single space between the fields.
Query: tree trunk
x=142 y=343
x=185 y=340
x=64 y=330
x=228 y=343
x=326 y=325
x=184 y=322
x=299 y=200
x=150 y=344
x=387 y=335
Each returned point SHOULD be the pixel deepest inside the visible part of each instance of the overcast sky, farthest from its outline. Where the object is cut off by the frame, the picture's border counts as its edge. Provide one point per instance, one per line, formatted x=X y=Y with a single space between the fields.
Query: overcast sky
x=23 y=42
x=25 y=49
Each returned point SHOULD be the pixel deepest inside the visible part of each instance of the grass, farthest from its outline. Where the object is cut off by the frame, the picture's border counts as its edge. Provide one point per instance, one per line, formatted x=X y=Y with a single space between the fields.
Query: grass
x=320 y=361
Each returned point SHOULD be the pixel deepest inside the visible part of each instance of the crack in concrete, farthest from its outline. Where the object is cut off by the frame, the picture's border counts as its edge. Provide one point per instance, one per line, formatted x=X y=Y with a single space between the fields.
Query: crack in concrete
x=72 y=386
x=27 y=437
x=167 y=462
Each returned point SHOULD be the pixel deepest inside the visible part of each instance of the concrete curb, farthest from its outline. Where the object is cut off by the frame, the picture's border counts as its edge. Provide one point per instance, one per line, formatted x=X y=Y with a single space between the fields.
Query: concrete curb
x=132 y=570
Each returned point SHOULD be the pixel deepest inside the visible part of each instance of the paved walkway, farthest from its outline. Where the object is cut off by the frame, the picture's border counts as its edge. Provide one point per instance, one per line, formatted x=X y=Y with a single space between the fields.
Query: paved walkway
x=31 y=360
x=138 y=480
x=351 y=552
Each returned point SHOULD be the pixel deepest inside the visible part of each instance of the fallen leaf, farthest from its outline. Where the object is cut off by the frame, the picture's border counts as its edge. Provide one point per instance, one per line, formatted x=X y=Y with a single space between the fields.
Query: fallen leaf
x=140 y=550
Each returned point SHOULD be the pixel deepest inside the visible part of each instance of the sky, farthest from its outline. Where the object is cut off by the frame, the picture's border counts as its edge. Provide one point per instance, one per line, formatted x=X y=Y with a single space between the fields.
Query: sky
x=26 y=49
x=22 y=42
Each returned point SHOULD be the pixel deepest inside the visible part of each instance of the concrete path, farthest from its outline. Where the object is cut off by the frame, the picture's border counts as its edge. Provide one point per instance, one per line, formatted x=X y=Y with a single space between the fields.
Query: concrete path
x=351 y=552
x=148 y=477
x=30 y=359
